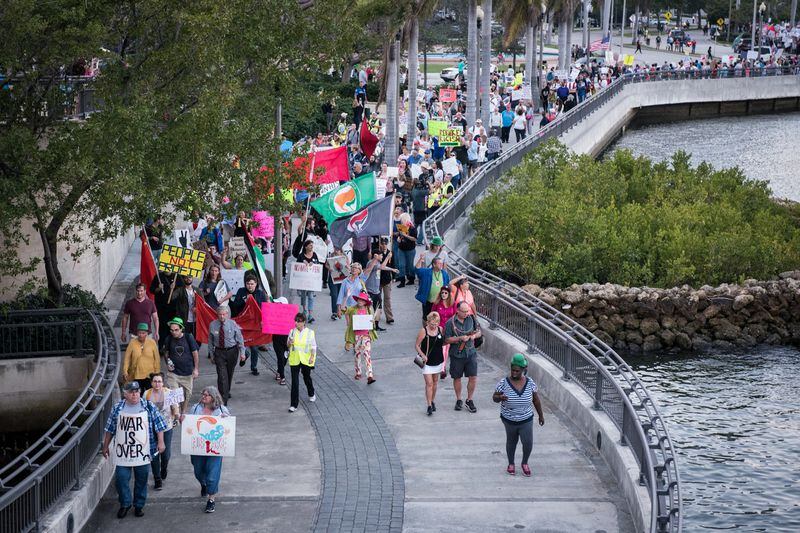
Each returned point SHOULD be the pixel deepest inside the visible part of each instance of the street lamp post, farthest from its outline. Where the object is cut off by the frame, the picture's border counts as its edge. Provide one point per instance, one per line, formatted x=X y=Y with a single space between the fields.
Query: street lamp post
x=761 y=10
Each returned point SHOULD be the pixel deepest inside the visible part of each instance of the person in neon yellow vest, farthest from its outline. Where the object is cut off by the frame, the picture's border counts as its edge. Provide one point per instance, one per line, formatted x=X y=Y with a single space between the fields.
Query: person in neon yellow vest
x=302 y=355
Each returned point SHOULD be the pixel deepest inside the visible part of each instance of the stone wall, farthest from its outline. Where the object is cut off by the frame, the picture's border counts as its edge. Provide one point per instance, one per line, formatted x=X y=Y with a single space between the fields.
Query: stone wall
x=633 y=319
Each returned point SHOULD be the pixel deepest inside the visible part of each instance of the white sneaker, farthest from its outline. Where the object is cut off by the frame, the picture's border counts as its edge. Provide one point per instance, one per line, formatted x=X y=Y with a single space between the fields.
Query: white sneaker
x=313 y=398
x=292 y=409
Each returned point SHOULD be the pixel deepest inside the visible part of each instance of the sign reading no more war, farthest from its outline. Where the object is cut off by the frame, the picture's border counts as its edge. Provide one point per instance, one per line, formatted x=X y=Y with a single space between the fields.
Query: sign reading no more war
x=306 y=277
x=208 y=435
x=183 y=261
x=132 y=440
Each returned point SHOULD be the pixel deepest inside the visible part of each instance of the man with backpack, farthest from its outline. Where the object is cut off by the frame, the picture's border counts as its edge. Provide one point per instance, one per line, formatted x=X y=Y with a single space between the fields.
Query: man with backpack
x=182 y=354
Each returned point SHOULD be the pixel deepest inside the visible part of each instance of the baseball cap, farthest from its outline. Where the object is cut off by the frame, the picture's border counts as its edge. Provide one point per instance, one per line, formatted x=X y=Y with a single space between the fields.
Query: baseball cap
x=131 y=386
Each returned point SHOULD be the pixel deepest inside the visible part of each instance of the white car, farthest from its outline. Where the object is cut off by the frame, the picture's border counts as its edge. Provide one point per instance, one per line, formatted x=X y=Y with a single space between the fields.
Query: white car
x=449 y=74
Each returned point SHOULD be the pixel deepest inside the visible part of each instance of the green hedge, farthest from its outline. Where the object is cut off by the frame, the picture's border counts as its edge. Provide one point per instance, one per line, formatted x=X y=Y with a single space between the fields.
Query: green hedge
x=630 y=221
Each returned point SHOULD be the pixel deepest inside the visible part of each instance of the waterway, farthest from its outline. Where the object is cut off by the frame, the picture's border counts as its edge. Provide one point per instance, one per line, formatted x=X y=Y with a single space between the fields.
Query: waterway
x=757 y=144
x=733 y=417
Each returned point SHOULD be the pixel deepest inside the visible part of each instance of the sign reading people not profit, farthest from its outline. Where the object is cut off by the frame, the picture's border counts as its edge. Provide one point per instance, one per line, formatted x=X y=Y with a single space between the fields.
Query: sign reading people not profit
x=183 y=261
x=450 y=137
x=132 y=440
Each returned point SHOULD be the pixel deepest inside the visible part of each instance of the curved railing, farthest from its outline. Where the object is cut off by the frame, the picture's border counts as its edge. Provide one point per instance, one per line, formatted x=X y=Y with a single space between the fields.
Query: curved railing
x=583 y=358
x=39 y=476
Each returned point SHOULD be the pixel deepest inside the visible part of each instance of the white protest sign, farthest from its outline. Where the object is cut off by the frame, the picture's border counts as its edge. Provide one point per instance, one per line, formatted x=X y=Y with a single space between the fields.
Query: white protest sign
x=174 y=397
x=362 y=322
x=574 y=73
x=752 y=54
x=306 y=277
x=392 y=172
x=132 y=440
x=338 y=267
x=208 y=435
x=380 y=187
x=609 y=56
x=416 y=170
x=517 y=94
x=560 y=74
x=182 y=236
x=234 y=279
x=320 y=247
x=221 y=290
x=236 y=246
x=450 y=166
x=328 y=187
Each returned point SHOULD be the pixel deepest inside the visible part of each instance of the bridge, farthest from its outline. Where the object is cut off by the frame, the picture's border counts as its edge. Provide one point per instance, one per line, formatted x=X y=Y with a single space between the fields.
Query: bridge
x=366 y=458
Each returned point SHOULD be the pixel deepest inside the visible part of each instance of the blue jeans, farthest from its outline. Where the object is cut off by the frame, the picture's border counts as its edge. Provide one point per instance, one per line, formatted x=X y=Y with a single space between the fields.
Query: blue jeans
x=207 y=470
x=396 y=254
x=307 y=301
x=405 y=263
x=161 y=460
x=252 y=353
x=123 y=482
x=334 y=288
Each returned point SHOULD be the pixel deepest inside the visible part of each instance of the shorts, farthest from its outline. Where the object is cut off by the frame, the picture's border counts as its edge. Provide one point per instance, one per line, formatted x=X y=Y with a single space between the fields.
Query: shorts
x=463 y=366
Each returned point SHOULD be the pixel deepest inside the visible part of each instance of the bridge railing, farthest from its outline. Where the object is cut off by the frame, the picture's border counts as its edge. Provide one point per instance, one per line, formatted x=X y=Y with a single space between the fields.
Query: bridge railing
x=32 y=483
x=581 y=356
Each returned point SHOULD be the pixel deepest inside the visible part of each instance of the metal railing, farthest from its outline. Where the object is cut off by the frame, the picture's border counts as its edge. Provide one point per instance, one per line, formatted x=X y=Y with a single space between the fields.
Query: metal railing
x=45 y=333
x=33 y=482
x=581 y=356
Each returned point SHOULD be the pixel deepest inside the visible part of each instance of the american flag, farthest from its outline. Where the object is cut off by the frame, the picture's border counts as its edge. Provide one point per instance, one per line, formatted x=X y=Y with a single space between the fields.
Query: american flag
x=600 y=44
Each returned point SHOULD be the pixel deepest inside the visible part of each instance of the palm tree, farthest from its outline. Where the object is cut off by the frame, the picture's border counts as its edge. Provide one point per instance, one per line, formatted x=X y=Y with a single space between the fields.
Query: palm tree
x=472 y=61
x=486 y=61
x=518 y=16
x=390 y=78
x=414 y=10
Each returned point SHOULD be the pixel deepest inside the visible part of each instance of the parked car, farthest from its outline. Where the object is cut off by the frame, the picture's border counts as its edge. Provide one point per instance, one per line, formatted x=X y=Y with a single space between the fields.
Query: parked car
x=744 y=44
x=449 y=74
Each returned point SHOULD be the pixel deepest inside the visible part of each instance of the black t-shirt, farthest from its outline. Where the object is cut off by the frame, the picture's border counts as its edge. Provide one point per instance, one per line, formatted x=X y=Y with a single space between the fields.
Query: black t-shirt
x=407 y=244
x=180 y=352
x=386 y=275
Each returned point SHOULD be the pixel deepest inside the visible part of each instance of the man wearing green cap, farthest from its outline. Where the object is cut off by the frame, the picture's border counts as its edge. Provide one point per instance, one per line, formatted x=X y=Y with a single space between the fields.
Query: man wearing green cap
x=435 y=249
x=517 y=396
x=141 y=357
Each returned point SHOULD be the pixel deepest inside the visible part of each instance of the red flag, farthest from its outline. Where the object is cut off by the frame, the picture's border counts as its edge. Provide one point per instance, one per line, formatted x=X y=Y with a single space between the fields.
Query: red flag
x=368 y=140
x=329 y=165
x=147 y=266
x=249 y=320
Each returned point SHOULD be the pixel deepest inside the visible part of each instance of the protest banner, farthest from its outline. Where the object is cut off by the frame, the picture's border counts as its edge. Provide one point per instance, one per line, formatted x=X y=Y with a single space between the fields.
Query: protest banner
x=263 y=225
x=337 y=266
x=363 y=322
x=183 y=261
x=278 y=319
x=436 y=126
x=208 y=435
x=132 y=440
x=306 y=277
x=174 y=397
x=234 y=279
x=450 y=166
x=182 y=238
x=450 y=137
x=447 y=95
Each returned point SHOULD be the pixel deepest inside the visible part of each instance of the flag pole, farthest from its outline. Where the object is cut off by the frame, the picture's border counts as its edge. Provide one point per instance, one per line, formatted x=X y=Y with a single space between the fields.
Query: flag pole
x=155 y=265
x=308 y=200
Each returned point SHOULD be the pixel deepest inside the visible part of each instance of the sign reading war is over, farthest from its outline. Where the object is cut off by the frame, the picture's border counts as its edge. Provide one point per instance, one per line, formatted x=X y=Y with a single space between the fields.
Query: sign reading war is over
x=183 y=261
x=132 y=440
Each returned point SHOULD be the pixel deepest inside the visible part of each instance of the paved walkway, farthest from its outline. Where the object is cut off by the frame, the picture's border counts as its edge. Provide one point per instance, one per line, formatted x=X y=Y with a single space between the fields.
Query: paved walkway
x=368 y=458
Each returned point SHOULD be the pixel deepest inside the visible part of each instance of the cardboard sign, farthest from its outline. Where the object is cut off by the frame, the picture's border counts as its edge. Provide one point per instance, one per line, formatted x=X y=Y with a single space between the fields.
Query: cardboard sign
x=447 y=95
x=436 y=126
x=208 y=435
x=237 y=246
x=450 y=166
x=306 y=277
x=363 y=322
x=263 y=224
x=392 y=172
x=337 y=266
x=174 y=397
x=132 y=440
x=278 y=319
x=182 y=238
x=450 y=137
x=234 y=279
x=183 y=261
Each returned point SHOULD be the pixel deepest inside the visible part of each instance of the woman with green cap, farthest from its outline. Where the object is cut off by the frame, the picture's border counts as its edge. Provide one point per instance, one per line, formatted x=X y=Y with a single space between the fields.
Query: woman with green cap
x=517 y=396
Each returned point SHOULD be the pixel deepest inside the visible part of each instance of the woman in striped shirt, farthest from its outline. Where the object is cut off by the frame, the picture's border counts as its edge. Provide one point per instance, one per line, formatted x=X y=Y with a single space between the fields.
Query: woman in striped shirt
x=517 y=397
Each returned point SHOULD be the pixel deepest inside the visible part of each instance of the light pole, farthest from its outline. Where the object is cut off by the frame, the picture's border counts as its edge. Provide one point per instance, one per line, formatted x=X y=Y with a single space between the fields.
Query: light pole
x=761 y=10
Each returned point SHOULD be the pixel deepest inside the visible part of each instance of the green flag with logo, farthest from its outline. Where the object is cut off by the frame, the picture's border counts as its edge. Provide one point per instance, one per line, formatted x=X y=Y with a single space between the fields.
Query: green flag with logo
x=346 y=199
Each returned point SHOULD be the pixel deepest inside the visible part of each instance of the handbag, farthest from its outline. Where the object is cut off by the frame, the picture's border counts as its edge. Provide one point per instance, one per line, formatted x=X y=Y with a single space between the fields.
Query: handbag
x=418 y=358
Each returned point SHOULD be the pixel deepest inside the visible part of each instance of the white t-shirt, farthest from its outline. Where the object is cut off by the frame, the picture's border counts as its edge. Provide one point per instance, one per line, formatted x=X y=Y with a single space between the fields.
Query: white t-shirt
x=519 y=122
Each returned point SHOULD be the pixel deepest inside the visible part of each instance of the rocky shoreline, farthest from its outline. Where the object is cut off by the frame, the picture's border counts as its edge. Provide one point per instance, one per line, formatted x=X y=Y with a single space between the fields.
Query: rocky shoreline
x=643 y=319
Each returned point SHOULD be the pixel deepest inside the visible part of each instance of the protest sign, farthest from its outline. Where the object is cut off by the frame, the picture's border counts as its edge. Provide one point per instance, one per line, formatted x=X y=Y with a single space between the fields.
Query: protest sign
x=450 y=137
x=306 y=277
x=182 y=238
x=174 y=397
x=436 y=126
x=560 y=74
x=320 y=247
x=450 y=166
x=263 y=224
x=221 y=290
x=208 y=435
x=447 y=95
x=391 y=172
x=278 y=319
x=609 y=57
x=363 y=322
x=416 y=170
x=237 y=246
x=628 y=60
x=573 y=74
x=337 y=266
x=380 y=186
x=328 y=187
x=234 y=279
x=183 y=261
x=132 y=440
x=516 y=95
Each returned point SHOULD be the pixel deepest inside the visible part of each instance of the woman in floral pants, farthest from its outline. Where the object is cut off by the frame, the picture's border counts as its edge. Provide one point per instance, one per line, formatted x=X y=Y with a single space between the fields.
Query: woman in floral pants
x=361 y=339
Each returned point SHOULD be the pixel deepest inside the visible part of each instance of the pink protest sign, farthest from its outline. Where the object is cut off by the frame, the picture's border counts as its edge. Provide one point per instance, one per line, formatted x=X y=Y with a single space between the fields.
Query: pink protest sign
x=264 y=225
x=277 y=319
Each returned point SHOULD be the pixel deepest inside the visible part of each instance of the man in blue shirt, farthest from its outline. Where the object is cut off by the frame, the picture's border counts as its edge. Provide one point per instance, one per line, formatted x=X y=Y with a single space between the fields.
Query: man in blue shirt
x=133 y=404
x=508 y=120
x=563 y=91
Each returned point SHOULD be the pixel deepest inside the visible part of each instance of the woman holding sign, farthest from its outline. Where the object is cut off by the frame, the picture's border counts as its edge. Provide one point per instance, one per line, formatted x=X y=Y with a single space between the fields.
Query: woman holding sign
x=308 y=256
x=160 y=397
x=208 y=469
x=360 y=333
